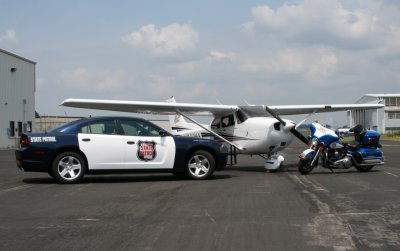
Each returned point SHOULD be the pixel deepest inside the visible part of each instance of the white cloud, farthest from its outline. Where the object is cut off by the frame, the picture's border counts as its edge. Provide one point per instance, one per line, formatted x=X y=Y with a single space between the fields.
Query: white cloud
x=222 y=57
x=9 y=36
x=214 y=57
x=323 y=67
x=293 y=61
x=93 y=80
x=317 y=22
x=200 y=90
x=166 y=40
x=161 y=85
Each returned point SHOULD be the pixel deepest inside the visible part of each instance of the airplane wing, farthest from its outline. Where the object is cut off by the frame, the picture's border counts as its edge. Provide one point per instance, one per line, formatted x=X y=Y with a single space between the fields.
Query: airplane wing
x=168 y=108
x=307 y=109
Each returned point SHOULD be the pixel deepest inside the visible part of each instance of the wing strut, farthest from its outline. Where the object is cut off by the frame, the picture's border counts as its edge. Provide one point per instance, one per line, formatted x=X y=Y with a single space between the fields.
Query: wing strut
x=208 y=130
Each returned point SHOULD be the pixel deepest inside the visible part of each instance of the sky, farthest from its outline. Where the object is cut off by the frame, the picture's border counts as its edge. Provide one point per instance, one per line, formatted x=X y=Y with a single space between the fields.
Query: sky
x=229 y=52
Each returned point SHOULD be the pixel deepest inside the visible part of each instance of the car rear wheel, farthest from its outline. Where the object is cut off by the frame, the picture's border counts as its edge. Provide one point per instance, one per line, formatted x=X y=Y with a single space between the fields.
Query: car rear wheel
x=200 y=165
x=68 y=167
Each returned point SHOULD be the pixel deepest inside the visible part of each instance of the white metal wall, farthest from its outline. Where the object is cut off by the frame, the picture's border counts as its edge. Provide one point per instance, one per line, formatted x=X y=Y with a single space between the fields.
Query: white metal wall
x=17 y=96
x=376 y=119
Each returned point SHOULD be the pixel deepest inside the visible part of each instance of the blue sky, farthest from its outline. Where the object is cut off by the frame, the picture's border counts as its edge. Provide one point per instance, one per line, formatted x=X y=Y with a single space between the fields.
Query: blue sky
x=265 y=52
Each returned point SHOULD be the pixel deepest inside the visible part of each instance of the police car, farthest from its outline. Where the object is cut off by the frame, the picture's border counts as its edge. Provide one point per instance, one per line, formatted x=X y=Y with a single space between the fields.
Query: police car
x=116 y=144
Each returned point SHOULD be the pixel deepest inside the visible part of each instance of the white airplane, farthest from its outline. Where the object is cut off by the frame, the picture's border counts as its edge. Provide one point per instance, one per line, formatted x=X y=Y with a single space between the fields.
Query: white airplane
x=251 y=130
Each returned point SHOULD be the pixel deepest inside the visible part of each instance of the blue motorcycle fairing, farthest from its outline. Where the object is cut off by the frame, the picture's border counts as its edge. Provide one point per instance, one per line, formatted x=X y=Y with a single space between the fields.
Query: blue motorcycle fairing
x=324 y=135
x=307 y=154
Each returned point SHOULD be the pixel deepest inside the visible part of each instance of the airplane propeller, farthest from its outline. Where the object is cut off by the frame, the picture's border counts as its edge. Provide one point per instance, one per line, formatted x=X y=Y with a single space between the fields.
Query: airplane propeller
x=293 y=129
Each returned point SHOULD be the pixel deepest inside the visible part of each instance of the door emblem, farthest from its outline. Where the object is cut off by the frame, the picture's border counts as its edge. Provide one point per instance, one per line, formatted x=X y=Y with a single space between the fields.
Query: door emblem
x=146 y=150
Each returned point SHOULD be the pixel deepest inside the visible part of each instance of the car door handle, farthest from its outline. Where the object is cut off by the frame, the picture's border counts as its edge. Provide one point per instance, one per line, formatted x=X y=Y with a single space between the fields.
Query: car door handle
x=86 y=139
x=130 y=142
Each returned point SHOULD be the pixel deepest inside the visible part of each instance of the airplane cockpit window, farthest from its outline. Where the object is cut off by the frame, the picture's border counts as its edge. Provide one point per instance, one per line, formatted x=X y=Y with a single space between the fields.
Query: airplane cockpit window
x=216 y=124
x=228 y=121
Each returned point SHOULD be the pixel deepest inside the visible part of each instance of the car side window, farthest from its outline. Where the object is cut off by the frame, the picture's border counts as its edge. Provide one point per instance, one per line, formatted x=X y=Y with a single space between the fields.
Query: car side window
x=139 y=128
x=100 y=127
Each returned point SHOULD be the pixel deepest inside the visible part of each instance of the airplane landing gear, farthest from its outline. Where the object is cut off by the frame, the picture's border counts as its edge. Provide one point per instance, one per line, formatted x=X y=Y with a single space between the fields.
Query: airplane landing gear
x=273 y=162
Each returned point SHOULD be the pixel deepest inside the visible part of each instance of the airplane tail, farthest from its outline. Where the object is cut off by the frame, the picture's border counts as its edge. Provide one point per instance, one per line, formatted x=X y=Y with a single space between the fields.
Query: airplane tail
x=177 y=122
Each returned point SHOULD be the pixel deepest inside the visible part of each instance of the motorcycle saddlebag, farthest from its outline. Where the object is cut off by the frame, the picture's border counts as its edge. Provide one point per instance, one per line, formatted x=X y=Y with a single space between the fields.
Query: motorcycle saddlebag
x=370 y=139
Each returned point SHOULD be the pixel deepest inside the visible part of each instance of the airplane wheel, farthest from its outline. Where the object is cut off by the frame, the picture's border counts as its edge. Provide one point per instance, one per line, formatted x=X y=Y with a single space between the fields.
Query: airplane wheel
x=200 y=165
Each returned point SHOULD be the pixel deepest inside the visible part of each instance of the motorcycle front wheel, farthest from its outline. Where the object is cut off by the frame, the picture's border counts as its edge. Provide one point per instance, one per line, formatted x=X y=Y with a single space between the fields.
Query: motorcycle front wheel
x=305 y=166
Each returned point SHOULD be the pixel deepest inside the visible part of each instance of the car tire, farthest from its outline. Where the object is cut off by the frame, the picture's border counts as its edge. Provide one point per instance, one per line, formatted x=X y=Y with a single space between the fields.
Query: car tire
x=68 y=168
x=200 y=165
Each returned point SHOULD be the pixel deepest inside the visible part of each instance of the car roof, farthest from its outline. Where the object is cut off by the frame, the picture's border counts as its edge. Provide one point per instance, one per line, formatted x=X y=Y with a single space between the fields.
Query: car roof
x=71 y=126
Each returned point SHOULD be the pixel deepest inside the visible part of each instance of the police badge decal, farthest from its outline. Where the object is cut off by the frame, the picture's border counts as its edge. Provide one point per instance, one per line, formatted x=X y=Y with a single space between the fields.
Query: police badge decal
x=146 y=150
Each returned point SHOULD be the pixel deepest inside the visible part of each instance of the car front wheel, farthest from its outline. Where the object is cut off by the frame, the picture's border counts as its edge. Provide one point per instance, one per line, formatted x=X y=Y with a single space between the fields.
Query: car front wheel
x=68 y=167
x=200 y=165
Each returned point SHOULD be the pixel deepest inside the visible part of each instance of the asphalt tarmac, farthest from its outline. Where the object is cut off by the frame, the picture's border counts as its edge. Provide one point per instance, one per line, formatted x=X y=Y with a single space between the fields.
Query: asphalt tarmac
x=240 y=208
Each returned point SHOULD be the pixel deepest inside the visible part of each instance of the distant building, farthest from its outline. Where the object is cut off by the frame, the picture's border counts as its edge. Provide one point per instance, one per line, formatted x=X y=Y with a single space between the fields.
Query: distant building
x=386 y=120
x=17 y=97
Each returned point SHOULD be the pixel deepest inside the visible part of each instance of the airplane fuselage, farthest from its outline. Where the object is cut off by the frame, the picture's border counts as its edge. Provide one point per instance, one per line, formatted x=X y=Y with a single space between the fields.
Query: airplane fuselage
x=256 y=135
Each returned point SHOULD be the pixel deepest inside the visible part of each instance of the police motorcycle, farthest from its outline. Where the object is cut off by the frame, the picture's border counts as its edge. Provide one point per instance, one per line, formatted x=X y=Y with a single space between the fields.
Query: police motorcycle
x=327 y=149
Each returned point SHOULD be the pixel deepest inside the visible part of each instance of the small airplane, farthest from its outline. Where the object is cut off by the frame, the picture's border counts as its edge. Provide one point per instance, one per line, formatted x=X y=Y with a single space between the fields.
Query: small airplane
x=251 y=129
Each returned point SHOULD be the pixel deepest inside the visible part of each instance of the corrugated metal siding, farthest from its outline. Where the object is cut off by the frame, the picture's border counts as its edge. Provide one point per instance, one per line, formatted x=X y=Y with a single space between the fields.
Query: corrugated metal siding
x=376 y=119
x=14 y=88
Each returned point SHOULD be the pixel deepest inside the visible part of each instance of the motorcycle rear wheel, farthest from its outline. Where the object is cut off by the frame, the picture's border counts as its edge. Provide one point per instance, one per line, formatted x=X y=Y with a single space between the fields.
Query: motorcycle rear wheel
x=364 y=168
x=305 y=166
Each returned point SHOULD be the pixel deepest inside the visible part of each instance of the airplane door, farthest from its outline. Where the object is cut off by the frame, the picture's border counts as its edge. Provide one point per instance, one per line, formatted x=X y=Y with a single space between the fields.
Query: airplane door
x=145 y=148
x=228 y=124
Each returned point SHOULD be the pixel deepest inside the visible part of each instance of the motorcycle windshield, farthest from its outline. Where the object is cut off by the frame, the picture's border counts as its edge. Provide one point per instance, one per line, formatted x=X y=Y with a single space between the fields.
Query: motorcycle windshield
x=325 y=135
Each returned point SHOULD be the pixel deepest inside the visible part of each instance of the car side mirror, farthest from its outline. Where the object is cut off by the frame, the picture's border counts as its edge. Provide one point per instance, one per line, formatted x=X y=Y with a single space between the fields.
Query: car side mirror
x=162 y=133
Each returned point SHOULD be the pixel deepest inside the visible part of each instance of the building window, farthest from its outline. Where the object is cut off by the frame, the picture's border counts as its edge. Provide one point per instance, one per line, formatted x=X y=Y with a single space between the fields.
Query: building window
x=19 y=128
x=29 y=128
x=12 y=129
x=392 y=129
x=392 y=101
x=393 y=115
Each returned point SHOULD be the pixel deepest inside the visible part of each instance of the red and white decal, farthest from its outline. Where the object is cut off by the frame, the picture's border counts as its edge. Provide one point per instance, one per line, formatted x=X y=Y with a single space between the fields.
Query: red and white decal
x=146 y=150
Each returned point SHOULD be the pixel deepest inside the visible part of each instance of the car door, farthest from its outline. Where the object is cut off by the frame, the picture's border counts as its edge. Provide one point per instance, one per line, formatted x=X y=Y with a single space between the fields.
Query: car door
x=101 y=144
x=145 y=148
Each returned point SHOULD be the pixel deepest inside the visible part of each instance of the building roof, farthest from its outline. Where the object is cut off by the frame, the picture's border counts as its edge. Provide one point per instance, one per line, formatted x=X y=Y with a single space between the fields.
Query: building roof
x=19 y=57
x=385 y=95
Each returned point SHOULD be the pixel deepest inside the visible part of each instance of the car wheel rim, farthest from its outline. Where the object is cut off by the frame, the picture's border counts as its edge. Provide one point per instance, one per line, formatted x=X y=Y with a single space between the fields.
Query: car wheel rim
x=69 y=168
x=199 y=166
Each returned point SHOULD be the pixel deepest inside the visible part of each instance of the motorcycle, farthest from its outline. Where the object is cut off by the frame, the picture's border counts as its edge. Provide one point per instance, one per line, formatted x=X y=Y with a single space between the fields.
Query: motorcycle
x=327 y=149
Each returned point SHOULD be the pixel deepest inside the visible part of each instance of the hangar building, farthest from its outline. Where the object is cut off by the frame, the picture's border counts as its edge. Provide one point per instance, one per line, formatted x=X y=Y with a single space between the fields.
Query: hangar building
x=383 y=120
x=17 y=97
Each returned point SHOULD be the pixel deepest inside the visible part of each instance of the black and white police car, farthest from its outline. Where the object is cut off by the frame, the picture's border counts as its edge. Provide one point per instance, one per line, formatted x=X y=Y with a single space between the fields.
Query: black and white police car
x=117 y=145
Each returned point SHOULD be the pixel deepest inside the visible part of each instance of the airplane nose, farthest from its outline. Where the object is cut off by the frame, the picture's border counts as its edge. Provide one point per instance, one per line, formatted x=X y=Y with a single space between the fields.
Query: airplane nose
x=280 y=139
x=289 y=125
